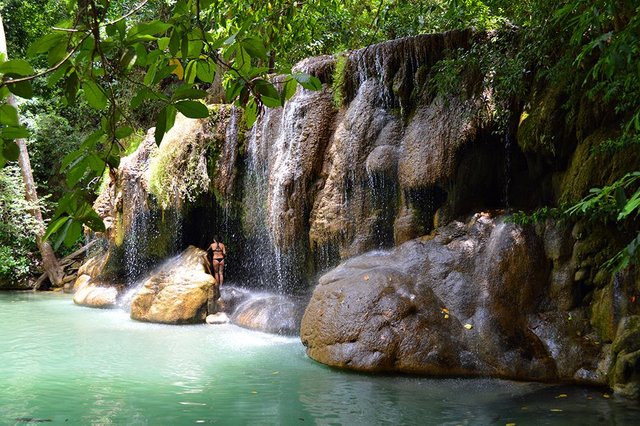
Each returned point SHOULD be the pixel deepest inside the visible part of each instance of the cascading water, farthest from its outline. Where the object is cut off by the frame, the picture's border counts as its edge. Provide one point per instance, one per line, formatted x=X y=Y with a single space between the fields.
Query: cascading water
x=259 y=251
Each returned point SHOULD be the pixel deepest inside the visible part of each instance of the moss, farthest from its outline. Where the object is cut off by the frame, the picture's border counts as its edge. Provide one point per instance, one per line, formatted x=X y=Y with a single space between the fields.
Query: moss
x=338 y=87
x=589 y=169
x=179 y=170
x=628 y=337
x=602 y=314
x=542 y=129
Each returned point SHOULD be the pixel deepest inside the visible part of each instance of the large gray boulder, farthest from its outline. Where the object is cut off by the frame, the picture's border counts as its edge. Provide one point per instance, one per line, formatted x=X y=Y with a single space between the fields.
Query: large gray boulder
x=469 y=300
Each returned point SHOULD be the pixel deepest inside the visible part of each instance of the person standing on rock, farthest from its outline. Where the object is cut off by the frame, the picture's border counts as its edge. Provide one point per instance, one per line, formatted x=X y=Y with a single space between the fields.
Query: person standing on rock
x=219 y=252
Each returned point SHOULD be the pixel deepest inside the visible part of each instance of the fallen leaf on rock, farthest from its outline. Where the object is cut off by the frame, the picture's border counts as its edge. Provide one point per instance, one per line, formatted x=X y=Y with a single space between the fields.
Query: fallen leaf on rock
x=444 y=310
x=446 y=316
x=366 y=278
x=468 y=326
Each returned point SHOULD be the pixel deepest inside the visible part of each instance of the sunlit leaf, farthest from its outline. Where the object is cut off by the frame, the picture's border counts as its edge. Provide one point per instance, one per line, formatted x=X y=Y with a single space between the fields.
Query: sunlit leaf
x=9 y=115
x=16 y=66
x=178 y=70
x=94 y=95
x=192 y=109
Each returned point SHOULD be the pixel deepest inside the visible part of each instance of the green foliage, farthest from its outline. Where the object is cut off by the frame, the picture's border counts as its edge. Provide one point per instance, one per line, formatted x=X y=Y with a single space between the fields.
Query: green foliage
x=618 y=202
x=607 y=36
x=538 y=216
x=17 y=226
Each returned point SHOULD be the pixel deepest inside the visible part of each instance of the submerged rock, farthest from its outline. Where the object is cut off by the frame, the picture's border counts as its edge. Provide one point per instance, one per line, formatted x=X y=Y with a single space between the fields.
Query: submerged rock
x=219 y=318
x=176 y=293
x=93 y=295
x=470 y=300
x=270 y=313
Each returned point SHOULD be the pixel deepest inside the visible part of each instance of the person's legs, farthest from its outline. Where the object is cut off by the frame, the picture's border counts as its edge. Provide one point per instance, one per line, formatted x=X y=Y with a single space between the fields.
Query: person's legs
x=216 y=271
x=221 y=271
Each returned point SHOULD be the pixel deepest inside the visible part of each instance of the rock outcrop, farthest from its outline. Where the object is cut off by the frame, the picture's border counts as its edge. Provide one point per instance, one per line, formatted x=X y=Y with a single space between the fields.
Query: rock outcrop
x=176 y=293
x=472 y=299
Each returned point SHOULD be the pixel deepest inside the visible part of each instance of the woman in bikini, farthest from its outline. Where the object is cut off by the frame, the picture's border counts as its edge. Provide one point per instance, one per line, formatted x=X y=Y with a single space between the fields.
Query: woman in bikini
x=219 y=252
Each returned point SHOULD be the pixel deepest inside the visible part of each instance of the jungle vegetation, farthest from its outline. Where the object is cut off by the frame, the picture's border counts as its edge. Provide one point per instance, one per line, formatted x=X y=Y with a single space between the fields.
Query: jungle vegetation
x=91 y=75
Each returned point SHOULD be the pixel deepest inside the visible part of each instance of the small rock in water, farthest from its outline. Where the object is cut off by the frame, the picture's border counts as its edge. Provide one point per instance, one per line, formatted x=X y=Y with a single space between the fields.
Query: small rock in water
x=219 y=318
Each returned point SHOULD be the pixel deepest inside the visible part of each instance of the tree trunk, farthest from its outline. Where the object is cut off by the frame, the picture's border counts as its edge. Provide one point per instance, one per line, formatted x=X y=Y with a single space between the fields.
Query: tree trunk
x=49 y=260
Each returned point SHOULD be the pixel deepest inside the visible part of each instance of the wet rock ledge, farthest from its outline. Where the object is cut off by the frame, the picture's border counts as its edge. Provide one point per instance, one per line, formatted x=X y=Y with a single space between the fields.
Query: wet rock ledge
x=469 y=300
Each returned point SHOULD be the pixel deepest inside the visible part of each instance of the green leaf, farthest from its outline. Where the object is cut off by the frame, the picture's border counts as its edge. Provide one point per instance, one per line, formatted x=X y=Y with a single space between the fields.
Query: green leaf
x=632 y=205
x=22 y=89
x=255 y=47
x=242 y=60
x=71 y=88
x=16 y=66
x=91 y=141
x=62 y=234
x=184 y=47
x=54 y=225
x=192 y=109
x=57 y=52
x=174 y=42
x=94 y=95
x=163 y=43
x=74 y=232
x=9 y=115
x=77 y=171
x=205 y=71
x=233 y=89
x=123 y=132
x=70 y=158
x=46 y=43
x=161 y=125
x=289 y=89
x=187 y=92
x=307 y=81
x=95 y=163
x=269 y=94
x=251 y=112
x=10 y=151
x=150 y=76
x=149 y=28
x=14 y=132
x=58 y=74
x=93 y=221
x=190 y=72
x=195 y=48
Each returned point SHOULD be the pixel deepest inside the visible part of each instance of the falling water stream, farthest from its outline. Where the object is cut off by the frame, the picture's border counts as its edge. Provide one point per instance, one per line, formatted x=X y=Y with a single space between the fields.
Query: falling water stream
x=65 y=364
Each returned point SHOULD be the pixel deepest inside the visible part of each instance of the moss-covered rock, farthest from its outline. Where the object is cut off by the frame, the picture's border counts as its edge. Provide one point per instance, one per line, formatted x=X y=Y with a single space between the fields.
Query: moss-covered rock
x=588 y=168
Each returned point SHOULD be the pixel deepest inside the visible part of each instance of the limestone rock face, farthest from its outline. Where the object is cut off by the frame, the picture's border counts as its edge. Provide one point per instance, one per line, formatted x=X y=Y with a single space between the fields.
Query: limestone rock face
x=469 y=300
x=177 y=293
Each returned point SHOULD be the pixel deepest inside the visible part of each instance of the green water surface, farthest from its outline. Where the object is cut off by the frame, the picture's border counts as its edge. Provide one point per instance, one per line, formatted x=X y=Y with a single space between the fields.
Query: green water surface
x=64 y=364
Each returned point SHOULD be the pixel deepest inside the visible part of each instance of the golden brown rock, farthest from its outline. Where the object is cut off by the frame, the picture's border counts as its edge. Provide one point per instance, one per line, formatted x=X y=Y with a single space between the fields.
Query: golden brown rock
x=176 y=293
